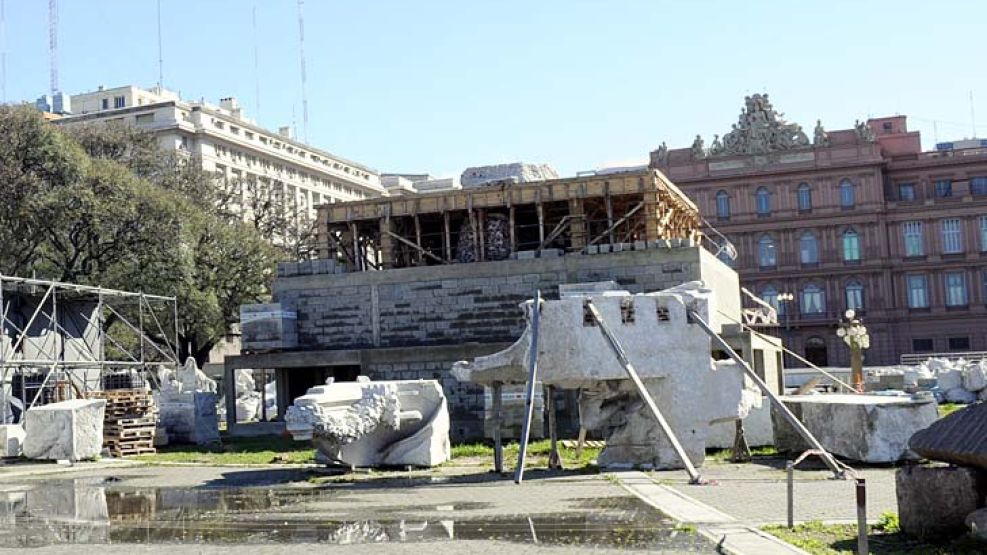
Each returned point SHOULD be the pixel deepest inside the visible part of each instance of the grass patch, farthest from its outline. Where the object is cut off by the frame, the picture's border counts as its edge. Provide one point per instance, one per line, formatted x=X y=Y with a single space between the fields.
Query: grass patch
x=946 y=409
x=884 y=538
x=238 y=450
x=538 y=452
x=724 y=455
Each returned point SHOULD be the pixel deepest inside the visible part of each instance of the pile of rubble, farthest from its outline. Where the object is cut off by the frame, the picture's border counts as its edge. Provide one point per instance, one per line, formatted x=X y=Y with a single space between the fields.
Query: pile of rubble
x=934 y=499
x=187 y=404
x=953 y=381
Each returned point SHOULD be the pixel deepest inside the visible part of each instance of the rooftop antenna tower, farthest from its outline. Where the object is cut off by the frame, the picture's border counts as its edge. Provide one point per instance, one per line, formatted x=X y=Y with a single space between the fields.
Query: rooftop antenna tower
x=256 y=65
x=3 y=51
x=301 y=54
x=53 y=45
x=160 y=53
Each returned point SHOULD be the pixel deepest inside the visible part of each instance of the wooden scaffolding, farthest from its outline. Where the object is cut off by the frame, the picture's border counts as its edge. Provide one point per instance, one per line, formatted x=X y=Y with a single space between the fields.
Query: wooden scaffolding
x=571 y=215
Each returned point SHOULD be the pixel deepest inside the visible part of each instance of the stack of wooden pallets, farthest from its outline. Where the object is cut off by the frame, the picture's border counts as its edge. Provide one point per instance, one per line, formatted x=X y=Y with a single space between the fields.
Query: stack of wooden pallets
x=129 y=421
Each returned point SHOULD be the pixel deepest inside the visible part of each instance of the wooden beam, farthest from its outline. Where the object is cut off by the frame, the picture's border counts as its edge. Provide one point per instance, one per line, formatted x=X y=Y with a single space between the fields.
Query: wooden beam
x=418 y=240
x=609 y=203
x=480 y=225
x=541 y=223
x=447 y=236
x=416 y=247
x=617 y=223
x=510 y=224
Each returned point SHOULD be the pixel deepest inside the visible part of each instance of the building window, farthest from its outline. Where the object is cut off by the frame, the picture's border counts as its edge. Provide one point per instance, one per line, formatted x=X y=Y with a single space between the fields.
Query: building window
x=805 y=197
x=922 y=345
x=906 y=191
x=770 y=295
x=983 y=233
x=105 y=103
x=955 y=289
x=766 y=252
x=851 y=246
x=978 y=186
x=847 y=196
x=959 y=343
x=812 y=299
x=914 y=245
x=763 y=198
x=854 y=295
x=944 y=188
x=119 y=102
x=723 y=205
x=918 y=291
x=808 y=249
x=952 y=240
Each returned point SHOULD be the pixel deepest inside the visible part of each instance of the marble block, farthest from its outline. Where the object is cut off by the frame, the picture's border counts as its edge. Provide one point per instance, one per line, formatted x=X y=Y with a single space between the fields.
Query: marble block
x=364 y=423
x=69 y=430
x=867 y=428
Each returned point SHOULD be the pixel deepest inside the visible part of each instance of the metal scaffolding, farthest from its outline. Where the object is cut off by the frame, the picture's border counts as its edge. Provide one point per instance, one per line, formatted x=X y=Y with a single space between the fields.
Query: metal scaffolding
x=59 y=340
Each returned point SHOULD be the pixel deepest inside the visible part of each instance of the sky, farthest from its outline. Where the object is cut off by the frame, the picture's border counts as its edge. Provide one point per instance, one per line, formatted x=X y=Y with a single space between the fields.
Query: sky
x=436 y=86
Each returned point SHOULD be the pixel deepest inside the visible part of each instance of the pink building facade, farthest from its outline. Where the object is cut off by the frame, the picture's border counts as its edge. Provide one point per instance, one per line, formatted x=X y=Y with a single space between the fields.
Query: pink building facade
x=858 y=218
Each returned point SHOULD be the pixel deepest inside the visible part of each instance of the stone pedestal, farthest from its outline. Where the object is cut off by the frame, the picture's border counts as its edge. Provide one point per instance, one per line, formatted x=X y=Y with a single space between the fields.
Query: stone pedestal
x=189 y=417
x=935 y=500
x=867 y=428
x=70 y=430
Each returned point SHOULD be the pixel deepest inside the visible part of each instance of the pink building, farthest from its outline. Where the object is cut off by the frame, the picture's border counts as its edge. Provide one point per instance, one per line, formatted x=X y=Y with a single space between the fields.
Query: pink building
x=858 y=218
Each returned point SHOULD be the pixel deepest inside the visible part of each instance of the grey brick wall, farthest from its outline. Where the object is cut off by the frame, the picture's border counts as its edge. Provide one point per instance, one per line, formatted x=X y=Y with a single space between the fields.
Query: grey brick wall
x=441 y=305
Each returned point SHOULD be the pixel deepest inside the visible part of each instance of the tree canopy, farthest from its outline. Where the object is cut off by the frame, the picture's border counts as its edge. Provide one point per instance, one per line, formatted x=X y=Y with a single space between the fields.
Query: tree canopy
x=105 y=205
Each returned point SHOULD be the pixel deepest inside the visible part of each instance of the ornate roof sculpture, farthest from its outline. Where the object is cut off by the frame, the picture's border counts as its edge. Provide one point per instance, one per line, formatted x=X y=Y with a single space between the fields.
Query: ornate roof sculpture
x=759 y=130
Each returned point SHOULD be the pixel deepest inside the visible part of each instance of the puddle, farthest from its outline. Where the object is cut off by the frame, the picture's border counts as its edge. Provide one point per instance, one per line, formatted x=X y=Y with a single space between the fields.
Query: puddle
x=92 y=511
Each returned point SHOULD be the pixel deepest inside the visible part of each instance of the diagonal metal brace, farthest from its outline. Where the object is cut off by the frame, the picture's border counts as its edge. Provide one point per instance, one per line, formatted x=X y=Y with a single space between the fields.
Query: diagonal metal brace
x=827 y=458
x=694 y=476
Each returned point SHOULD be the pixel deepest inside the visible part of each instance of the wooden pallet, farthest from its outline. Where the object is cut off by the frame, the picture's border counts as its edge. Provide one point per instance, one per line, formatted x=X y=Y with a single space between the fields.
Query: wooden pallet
x=130 y=451
x=116 y=433
x=591 y=443
x=131 y=422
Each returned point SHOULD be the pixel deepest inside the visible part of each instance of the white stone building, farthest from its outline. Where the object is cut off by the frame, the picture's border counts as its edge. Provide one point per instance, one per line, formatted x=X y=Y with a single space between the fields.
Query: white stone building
x=232 y=145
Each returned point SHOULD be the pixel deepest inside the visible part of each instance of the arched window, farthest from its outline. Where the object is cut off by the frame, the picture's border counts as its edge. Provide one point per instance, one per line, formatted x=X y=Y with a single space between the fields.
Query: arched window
x=847 y=194
x=763 y=200
x=813 y=299
x=804 y=197
x=851 y=246
x=854 y=295
x=766 y=252
x=808 y=249
x=815 y=351
x=723 y=205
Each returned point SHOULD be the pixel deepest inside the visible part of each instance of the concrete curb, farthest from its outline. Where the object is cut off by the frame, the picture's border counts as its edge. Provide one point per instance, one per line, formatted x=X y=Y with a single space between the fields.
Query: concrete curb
x=730 y=535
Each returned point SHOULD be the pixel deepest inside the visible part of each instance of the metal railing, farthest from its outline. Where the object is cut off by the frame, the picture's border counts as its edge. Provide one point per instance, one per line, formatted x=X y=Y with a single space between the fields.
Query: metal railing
x=912 y=359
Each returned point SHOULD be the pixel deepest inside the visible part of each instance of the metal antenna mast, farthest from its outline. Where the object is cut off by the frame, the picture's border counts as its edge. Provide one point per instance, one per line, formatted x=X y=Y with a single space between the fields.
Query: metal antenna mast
x=256 y=65
x=3 y=51
x=160 y=53
x=301 y=53
x=53 y=44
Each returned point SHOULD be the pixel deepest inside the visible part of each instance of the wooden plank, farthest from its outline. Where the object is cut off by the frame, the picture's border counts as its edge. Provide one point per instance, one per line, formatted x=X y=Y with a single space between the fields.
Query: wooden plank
x=447 y=236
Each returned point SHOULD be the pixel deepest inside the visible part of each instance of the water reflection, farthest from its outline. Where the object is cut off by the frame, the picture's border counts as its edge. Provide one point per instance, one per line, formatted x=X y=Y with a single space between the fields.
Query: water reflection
x=84 y=512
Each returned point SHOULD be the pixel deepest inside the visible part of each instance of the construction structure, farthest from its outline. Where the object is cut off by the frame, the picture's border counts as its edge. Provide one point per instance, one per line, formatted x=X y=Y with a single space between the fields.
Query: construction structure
x=61 y=341
x=404 y=288
x=564 y=215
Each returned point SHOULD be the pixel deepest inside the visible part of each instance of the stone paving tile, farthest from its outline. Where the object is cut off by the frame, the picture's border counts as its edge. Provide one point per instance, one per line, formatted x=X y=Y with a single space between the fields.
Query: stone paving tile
x=757 y=492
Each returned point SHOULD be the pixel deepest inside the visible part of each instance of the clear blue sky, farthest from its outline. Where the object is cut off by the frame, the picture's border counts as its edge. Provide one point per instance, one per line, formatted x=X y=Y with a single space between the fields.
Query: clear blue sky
x=435 y=86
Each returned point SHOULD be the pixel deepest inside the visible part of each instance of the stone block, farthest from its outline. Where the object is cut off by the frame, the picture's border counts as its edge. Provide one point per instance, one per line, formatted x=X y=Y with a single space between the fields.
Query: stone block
x=550 y=253
x=758 y=429
x=526 y=255
x=975 y=376
x=868 y=428
x=640 y=245
x=960 y=395
x=935 y=500
x=950 y=379
x=11 y=440
x=69 y=430
x=960 y=438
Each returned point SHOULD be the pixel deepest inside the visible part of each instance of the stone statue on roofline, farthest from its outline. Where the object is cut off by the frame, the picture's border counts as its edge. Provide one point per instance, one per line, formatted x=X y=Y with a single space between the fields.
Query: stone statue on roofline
x=661 y=155
x=821 y=137
x=716 y=147
x=698 y=151
x=864 y=132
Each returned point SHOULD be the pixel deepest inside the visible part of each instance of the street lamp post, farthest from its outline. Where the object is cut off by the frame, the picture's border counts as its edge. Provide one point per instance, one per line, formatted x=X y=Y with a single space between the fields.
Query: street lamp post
x=853 y=332
x=783 y=300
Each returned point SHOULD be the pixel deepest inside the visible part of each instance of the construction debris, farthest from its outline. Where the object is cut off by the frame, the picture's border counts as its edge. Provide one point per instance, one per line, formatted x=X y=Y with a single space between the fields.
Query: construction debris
x=959 y=438
x=187 y=404
x=364 y=423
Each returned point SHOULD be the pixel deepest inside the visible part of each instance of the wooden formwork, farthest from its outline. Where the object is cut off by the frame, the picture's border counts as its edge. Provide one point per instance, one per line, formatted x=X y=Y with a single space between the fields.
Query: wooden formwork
x=568 y=214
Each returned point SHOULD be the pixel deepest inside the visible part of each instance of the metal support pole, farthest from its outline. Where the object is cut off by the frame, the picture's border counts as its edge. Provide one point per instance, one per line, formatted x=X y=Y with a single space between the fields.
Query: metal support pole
x=862 y=548
x=497 y=392
x=790 y=469
x=554 y=459
x=140 y=326
x=529 y=394
x=618 y=350
x=781 y=408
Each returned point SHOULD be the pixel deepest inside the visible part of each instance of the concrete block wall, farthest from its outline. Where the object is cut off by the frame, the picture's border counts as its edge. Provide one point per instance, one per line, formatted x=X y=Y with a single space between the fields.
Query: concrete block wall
x=459 y=303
